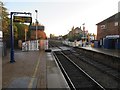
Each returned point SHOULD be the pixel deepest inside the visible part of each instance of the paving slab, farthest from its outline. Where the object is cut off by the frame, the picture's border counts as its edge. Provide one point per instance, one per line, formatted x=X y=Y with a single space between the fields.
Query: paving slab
x=111 y=52
x=33 y=69
x=55 y=78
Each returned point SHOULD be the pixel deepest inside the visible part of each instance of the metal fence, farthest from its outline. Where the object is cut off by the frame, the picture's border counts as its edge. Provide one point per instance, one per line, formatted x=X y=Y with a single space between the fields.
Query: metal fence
x=34 y=45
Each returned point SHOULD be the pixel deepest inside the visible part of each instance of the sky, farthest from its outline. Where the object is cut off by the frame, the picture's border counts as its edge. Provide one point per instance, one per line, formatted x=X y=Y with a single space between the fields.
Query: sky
x=59 y=16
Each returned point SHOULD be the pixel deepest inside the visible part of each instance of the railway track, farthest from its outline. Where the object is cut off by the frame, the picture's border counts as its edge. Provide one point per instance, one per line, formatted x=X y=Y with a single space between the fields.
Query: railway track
x=106 y=76
x=104 y=68
x=77 y=78
x=101 y=66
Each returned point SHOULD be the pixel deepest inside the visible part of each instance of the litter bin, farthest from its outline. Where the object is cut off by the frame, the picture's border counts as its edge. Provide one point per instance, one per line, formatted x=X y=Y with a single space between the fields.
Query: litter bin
x=96 y=44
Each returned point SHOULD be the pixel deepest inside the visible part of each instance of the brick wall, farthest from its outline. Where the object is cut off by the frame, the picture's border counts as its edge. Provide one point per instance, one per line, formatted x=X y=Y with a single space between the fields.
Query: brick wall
x=110 y=29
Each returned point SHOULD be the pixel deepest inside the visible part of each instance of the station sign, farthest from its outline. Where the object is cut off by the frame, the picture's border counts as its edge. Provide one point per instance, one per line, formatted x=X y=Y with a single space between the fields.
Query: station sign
x=112 y=36
x=23 y=19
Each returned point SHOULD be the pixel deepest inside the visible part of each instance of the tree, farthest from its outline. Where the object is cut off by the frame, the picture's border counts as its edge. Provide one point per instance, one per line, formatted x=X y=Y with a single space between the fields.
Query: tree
x=21 y=30
x=15 y=32
x=5 y=21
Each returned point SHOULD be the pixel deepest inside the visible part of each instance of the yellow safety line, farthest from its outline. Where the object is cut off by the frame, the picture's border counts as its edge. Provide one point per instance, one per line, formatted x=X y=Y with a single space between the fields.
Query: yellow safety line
x=34 y=74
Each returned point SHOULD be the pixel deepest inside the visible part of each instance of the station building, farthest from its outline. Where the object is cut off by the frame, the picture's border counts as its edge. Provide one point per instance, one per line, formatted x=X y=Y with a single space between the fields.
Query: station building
x=108 y=32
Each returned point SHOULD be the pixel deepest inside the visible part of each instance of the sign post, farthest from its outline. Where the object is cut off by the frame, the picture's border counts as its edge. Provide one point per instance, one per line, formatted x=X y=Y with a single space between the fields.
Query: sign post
x=11 y=40
x=18 y=19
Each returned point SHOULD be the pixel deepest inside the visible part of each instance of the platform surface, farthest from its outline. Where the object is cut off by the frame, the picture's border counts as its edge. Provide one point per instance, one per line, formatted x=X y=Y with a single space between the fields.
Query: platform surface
x=111 y=52
x=34 y=69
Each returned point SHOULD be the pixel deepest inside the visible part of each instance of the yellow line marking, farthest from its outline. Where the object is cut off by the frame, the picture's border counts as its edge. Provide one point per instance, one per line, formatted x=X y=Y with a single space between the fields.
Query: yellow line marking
x=34 y=74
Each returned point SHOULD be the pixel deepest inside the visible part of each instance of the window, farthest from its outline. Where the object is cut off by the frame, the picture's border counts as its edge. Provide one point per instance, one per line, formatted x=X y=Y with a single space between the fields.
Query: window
x=103 y=26
x=116 y=24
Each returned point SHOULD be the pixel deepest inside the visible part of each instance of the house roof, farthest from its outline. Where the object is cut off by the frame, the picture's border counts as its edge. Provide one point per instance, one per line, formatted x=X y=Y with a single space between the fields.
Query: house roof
x=115 y=17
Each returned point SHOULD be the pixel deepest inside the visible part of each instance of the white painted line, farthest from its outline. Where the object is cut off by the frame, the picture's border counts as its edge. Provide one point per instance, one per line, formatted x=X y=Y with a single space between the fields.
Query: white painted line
x=34 y=74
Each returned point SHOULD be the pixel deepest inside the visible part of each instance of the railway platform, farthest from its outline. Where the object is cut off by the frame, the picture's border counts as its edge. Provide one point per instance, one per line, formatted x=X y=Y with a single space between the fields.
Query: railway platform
x=111 y=52
x=34 y=69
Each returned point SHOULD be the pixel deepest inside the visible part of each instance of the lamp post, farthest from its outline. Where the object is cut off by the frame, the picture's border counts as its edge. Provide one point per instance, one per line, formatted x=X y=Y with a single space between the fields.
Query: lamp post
x=36 y=29
x=83 y=30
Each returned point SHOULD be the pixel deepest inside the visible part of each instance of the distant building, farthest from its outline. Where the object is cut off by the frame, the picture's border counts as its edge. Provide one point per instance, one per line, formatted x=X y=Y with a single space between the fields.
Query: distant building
x=108 y=26
x=108 y=31
x=79 y=34
x=78 y=30
x=75 y=31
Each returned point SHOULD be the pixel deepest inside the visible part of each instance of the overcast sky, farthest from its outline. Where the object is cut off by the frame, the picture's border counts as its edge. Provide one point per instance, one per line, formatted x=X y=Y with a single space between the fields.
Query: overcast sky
x=59 y=16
